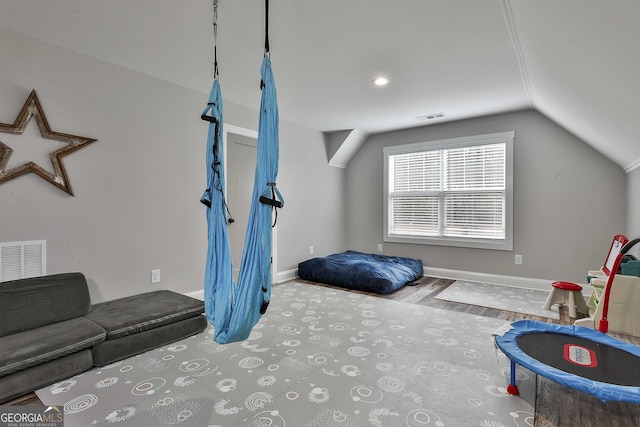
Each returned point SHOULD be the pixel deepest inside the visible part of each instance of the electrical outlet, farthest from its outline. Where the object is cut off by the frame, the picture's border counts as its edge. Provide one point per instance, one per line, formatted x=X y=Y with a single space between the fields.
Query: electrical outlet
x=155 y=276
x=518 y=260
x=310 y=250
x=379 y=247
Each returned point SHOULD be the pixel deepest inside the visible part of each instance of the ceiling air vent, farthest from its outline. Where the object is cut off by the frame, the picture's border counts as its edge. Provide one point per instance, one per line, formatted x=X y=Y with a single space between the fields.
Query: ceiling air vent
x=430 y=116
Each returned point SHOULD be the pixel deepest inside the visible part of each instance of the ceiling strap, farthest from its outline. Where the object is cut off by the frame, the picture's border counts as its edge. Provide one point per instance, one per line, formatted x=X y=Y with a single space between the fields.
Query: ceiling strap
x=215 y=39
x=266 y=28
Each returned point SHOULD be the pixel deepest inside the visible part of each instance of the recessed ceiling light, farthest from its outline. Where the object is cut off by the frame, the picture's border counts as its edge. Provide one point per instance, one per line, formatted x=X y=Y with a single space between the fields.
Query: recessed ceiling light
x=381 y=81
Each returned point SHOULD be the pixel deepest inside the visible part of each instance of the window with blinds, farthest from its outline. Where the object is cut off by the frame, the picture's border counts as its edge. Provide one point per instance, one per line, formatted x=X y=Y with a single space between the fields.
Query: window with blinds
x=453 y=192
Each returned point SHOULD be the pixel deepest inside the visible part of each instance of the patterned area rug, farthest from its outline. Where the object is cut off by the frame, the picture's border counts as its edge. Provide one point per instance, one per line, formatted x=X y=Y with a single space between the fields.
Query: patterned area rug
x=320 y=357
x=528 y=301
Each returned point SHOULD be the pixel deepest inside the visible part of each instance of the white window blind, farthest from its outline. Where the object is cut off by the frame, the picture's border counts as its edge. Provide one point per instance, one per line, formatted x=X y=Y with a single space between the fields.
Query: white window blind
x=415 y=182
x=456 y=190
x=474 y=191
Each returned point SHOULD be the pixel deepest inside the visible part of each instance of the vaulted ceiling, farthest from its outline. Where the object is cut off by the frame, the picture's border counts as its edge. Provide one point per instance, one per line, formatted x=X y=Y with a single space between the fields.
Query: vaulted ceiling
x=575 y=61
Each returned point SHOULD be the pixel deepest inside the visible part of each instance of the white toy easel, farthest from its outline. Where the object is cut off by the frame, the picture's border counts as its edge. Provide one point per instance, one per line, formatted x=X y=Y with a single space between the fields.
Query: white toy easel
x=614 y=304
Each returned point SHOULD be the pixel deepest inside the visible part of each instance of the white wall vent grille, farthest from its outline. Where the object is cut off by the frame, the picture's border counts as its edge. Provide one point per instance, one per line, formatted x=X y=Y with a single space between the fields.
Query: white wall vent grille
x=23 y=259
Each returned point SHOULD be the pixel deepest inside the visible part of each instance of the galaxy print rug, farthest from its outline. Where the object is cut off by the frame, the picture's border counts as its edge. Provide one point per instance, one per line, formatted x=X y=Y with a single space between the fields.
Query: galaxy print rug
x=319 y=357
x=508 y=298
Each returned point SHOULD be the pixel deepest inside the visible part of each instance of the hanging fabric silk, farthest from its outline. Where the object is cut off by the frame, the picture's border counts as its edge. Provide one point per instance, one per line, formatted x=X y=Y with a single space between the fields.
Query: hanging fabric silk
x=234 y=308
x=254 y=281
x=218 y=282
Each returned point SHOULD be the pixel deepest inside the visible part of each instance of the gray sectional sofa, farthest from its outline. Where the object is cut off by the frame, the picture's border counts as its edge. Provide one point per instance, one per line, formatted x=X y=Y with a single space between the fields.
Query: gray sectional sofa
x=50 y=331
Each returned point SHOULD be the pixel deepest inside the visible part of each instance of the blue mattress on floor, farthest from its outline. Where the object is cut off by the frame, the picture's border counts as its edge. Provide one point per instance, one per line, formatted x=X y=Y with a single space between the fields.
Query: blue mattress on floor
x=381 y=274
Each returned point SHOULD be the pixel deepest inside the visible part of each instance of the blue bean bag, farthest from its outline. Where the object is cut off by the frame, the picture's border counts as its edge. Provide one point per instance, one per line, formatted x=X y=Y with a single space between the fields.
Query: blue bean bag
x=380 y=274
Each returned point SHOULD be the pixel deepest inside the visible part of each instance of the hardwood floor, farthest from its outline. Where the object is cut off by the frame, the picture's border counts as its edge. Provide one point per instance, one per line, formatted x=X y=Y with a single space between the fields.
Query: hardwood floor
x=556 y=405
x=30 y=399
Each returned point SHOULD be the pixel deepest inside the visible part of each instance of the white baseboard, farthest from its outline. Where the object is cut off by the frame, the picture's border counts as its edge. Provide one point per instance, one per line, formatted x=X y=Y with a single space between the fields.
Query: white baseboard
x=496 y=279
x=283 y=276
x=445 y=273
x=196 y=294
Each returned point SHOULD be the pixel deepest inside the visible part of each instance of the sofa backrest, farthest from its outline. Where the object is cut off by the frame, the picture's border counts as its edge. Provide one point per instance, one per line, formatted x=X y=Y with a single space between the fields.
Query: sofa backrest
x=38 y=301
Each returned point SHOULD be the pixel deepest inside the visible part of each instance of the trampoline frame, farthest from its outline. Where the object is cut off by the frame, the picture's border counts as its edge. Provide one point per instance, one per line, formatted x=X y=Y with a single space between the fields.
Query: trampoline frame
x=508 y=344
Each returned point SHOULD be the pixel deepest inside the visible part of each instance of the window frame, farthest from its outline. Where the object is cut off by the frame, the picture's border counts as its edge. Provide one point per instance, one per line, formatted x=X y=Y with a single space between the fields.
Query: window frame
x=505 y=244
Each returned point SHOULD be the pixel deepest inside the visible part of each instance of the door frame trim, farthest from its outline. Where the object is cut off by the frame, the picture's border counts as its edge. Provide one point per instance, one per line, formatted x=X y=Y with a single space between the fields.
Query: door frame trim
x=237 y=130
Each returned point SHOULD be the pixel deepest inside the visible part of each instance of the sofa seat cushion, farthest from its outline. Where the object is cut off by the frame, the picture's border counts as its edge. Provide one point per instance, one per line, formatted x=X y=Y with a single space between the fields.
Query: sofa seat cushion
x=27 y=380
x=138 y=313
x=114 y=350
x=30 y=348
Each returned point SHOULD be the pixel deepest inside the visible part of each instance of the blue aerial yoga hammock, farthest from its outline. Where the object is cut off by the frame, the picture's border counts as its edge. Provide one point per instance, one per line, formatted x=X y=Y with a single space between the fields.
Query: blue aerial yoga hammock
x=234 y=308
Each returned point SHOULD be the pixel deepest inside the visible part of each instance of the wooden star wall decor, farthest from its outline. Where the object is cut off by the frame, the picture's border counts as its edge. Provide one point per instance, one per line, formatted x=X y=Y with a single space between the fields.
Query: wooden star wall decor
x=59 y=178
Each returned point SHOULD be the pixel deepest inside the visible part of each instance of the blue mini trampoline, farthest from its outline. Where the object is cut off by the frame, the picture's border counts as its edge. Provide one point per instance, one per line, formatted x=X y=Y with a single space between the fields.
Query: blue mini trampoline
x=574 y=356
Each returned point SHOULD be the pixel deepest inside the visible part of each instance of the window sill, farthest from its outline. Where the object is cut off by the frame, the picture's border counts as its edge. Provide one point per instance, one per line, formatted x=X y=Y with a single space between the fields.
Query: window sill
x=497 y=244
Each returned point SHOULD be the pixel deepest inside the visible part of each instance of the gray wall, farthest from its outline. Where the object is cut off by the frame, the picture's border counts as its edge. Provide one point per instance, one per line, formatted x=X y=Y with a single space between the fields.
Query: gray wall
x=569 y=200
x=633 y=208
x=314 y=193
x=137 y=189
